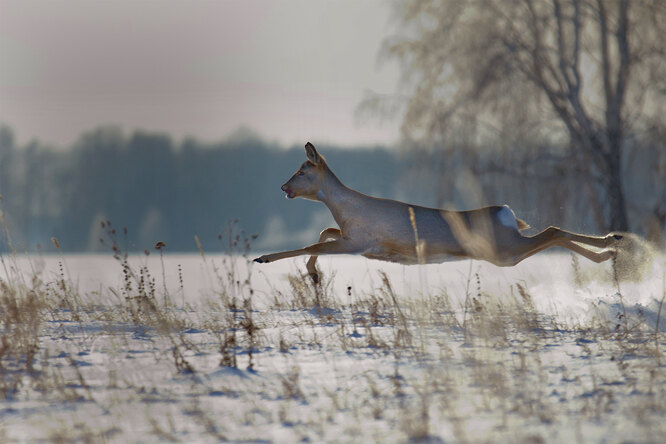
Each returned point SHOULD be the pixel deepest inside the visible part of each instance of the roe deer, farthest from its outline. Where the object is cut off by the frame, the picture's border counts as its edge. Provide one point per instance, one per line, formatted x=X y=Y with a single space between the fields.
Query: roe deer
x=398 y=232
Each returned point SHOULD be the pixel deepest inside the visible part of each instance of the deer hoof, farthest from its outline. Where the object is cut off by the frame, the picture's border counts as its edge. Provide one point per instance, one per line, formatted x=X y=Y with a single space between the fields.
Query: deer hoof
x=315 y=277
x=261 y=260
x=613 y=238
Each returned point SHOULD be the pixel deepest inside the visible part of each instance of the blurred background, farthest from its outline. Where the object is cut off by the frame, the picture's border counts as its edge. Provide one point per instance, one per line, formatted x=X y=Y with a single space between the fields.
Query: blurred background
x=173 y=119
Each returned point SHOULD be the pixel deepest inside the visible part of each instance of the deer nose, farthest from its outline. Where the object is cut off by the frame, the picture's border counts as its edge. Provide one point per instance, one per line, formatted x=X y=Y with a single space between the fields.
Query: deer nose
x=284 y=187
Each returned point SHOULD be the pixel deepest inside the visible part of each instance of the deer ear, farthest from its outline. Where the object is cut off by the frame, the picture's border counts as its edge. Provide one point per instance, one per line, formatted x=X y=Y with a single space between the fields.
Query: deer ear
x=312 y=154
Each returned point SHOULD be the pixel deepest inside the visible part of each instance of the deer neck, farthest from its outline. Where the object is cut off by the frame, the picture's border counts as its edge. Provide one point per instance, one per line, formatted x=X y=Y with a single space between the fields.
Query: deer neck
x=337 y=197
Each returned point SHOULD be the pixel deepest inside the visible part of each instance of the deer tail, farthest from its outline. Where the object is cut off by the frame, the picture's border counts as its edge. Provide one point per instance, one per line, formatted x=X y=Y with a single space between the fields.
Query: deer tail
x=522 y=225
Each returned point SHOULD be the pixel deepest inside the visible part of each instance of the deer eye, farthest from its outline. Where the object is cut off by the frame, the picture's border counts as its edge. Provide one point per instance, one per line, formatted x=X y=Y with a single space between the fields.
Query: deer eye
x=301 y=173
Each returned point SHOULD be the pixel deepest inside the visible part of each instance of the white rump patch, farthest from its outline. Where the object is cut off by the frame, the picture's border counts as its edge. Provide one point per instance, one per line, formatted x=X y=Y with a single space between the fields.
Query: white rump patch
x=507 y=217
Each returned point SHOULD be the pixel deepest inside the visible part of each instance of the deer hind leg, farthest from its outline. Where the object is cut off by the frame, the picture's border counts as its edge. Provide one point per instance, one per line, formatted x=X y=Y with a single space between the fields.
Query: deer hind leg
x=591 y=255
x=594 y=241
x=554 y=237
x=326 y=235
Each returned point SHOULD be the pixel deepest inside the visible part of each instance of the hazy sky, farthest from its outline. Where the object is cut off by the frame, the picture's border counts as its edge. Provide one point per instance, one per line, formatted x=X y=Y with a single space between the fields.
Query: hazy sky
x=292 y=70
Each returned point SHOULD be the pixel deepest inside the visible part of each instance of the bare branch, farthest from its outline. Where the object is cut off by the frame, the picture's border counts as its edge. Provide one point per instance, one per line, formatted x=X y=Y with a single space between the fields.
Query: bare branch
x=622 y=36
x=576 y=19
x=605 y=55
x=561 y=45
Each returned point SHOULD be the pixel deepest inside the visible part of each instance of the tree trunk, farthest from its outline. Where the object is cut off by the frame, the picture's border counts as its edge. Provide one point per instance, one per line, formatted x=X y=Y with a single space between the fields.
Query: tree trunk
x=615 y=189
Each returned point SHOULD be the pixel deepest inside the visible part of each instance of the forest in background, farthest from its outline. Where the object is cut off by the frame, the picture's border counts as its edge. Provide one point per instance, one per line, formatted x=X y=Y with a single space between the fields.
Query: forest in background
x=163 y=190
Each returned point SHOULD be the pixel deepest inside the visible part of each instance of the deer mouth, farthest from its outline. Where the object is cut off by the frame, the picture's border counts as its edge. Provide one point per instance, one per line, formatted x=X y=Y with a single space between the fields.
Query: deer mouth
x=290 y=193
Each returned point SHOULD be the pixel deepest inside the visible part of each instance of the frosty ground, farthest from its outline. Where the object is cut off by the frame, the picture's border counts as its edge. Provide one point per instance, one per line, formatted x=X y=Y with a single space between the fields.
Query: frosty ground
x=199 y=348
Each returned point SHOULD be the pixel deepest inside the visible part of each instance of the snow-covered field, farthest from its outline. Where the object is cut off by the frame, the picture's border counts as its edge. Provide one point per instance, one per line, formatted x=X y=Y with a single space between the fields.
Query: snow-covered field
x=205 y=349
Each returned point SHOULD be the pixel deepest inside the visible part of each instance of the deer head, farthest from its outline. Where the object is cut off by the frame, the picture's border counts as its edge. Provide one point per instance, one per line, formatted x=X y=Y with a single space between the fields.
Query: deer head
x=309 y=179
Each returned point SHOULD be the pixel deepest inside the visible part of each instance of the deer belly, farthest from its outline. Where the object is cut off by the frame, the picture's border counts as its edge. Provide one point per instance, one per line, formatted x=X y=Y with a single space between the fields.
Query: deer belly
x=407 y=254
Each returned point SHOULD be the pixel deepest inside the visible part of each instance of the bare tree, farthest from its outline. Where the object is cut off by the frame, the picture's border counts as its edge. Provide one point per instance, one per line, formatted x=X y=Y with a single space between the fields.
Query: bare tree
x=587 y=72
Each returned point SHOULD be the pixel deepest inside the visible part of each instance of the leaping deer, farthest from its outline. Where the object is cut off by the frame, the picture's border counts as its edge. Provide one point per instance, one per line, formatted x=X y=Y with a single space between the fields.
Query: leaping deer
x=409 y=234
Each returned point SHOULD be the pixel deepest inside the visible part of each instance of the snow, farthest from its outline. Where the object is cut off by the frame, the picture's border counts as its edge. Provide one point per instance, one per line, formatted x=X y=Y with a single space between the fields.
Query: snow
x=552 y=350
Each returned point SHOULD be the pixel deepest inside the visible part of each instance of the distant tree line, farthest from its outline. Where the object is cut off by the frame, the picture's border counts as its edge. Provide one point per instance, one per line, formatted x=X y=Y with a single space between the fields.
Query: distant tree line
x=161 y=190
x=157 y=189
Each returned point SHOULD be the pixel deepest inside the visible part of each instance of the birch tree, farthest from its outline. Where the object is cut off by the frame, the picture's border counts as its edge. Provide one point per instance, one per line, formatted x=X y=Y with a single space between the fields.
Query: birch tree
x=589 y=71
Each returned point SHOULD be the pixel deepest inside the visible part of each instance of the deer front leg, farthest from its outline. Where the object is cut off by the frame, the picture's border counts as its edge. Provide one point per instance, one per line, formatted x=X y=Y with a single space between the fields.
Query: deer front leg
x=326 y=235
x=339 y=246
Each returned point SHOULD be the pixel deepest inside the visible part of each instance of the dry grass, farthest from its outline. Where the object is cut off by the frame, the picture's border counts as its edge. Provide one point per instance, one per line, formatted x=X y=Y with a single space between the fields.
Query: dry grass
x=370 y=365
